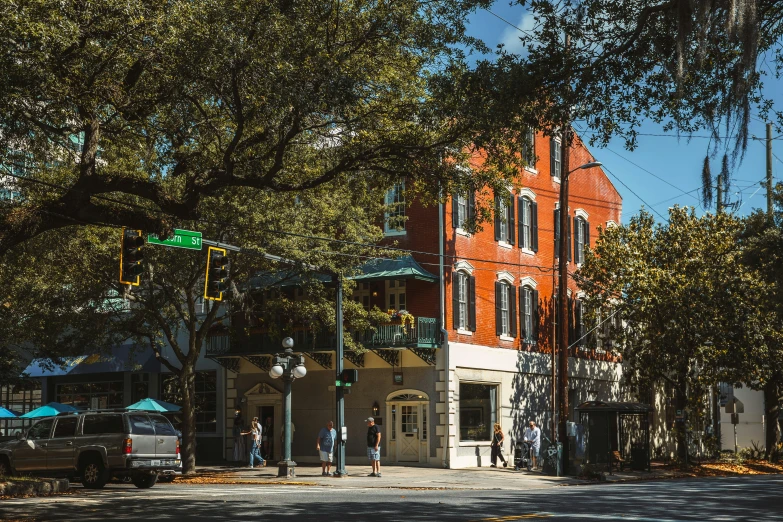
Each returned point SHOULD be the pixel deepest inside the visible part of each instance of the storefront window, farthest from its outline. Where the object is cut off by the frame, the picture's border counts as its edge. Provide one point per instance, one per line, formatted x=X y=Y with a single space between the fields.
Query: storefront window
x=205 y=399
x=91 y=395
x=140 y=386
x=477 y=411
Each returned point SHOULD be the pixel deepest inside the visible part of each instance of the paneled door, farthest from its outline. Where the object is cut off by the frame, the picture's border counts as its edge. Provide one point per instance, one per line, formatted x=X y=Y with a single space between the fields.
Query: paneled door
x=408 y=430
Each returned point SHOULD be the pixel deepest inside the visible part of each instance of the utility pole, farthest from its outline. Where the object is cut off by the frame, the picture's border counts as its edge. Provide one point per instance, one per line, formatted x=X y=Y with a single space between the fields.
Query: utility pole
x=339 y=390
x=562 y=294
x=769 y=170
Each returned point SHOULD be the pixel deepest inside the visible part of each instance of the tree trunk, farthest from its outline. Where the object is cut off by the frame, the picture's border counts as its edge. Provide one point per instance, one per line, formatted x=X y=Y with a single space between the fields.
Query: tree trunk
x=187 y=383
x=772 y=391
x=680 y=424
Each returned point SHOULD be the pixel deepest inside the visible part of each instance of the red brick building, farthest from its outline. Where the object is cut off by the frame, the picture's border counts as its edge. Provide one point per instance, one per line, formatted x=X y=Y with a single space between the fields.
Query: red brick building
x=438 y=392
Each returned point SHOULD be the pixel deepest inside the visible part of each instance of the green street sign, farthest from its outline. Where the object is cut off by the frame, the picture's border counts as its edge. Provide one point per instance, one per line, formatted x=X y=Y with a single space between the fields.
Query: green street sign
x=181 y=239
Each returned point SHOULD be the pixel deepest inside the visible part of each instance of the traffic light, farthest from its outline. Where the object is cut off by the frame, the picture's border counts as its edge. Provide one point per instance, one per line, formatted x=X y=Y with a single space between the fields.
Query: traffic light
x=350 y=376
x=217 y=274
x=131 y=256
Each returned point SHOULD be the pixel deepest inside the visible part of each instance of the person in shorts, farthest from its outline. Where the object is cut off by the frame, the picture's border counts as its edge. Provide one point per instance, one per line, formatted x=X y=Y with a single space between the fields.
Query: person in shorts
x=533 y=435
x=374 y=446
x=325 y=446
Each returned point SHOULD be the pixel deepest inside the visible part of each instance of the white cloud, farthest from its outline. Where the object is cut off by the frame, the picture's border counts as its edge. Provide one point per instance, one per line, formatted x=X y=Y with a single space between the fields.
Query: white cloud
x=510 y=35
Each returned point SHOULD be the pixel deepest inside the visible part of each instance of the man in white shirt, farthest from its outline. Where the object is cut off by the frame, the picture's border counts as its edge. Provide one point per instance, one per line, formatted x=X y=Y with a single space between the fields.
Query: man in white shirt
x=533 y=435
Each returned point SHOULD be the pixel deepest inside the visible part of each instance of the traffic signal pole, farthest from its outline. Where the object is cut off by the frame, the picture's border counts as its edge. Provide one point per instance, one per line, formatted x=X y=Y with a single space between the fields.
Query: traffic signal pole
x=339 y=390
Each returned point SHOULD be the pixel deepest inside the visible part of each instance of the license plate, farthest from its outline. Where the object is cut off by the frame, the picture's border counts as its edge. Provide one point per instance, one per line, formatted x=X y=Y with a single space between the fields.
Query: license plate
x=155 y=463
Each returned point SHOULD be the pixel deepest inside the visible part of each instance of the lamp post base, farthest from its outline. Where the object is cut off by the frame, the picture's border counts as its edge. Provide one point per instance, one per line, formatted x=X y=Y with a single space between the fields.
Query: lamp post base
x=286 y=469
x=338 y=474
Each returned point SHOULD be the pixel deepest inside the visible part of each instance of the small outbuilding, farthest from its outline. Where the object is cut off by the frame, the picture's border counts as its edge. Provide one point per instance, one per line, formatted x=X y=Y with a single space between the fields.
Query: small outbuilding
x=615 y=433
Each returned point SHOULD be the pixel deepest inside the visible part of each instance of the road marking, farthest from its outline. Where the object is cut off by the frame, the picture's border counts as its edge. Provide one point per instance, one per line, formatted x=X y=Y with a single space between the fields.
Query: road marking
x=514 y=517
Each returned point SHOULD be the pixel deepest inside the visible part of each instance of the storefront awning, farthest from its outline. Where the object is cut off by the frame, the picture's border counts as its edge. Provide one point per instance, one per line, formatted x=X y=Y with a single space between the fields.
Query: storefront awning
x=401 y=268
x=125 y=358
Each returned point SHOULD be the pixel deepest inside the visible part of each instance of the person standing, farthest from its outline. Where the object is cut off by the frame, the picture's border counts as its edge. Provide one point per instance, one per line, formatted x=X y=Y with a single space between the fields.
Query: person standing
x=533 y=435
x=255 y=450
x=374 y=447
x=325 y=446
x=239 y=438
x=497 y=446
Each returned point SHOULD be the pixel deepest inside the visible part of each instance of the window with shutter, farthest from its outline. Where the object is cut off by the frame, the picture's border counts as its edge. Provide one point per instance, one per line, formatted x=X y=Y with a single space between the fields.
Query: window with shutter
x=512 y=310
x=557 y=233
x=529 y=148
x=534 y=226
x=472 y=303
x=498 y=308
x=459 y=210
x=525 y=223
x=394 y=217
x=510 y=222
x=554 y=162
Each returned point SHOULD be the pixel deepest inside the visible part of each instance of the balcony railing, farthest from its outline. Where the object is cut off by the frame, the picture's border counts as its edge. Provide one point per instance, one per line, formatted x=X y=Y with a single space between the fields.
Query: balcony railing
x=423 y=334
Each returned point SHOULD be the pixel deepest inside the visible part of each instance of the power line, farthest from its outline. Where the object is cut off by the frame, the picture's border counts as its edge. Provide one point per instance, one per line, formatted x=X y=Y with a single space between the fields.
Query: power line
x=529 y=33
x=653 y=174
x=634 y=193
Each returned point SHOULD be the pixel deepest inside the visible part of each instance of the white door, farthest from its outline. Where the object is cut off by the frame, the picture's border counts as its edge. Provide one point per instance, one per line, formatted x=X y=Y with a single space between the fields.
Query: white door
x=408 y=433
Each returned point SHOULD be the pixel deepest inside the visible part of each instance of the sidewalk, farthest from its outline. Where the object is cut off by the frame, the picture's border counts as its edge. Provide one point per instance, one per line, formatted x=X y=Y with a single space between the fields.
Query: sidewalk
x=401 y=477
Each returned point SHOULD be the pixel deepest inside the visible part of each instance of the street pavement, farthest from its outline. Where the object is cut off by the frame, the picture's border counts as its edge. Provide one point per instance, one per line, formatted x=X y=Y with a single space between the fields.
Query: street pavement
x=753 y=498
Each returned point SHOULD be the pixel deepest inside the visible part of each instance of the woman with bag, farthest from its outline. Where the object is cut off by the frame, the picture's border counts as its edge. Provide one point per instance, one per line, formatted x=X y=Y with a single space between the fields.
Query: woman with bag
x=497 y=446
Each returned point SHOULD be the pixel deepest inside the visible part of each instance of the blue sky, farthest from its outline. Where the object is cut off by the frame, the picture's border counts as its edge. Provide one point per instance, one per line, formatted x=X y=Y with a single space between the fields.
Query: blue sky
x=662 y=171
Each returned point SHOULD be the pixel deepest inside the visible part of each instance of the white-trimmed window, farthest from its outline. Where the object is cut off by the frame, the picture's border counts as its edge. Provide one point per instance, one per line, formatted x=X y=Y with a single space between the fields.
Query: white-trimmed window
x=504 y=221
x=505 y=310
x=555 y=168
x=581 y=237
x=478 y=411
x=394 y=217
x=528 y=313
x=464 y=301
x=528 y=223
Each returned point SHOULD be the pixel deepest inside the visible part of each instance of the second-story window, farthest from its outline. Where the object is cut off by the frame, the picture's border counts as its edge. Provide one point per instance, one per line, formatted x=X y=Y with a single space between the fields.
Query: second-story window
x=505 y=309
x=395 y=295
x=579 y=337
x=361 y=294
x=504 y=220
x=581 y=238
x=528 y=312
x=555 y=157
x=528 y=224
x=464 y=301
x=394 y=218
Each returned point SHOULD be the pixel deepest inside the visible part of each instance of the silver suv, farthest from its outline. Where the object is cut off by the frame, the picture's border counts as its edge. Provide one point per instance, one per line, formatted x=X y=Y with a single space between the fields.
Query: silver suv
x=95 y=446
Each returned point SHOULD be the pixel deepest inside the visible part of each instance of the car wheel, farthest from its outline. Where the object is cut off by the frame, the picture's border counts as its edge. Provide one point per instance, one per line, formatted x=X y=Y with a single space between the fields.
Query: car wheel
x=5 y=467
x=94 y=475
x=145 y=481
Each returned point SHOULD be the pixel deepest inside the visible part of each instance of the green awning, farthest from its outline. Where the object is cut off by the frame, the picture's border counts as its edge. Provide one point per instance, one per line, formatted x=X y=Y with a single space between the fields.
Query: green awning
x=401 y=268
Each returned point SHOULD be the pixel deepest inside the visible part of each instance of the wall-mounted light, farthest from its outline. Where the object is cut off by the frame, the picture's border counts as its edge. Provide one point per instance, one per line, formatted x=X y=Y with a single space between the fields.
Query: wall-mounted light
x=374 y=293
x=376 y=409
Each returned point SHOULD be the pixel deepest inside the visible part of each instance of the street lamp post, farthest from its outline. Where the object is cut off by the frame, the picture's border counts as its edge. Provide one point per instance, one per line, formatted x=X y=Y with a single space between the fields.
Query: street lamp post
x=289 y=367
x=562 y=300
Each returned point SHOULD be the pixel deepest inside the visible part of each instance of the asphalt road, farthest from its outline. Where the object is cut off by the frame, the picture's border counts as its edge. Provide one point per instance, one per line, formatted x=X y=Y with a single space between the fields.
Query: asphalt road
x=756 y=498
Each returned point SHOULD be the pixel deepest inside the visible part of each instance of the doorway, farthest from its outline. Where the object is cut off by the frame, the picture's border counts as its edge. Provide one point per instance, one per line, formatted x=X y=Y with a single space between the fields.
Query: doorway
x=266 y=415
x=408 y=428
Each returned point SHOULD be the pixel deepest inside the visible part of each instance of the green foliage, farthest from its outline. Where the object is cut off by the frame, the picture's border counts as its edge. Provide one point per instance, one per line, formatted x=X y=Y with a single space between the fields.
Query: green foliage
x=166 y=105
x=691 y=309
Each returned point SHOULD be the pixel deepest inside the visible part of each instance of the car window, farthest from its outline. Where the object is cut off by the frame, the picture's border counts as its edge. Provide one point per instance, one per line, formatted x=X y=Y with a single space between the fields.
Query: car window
x=162 y=425
x=100 y=424
x=65 y=427
x=140 y=425
x=40 y=430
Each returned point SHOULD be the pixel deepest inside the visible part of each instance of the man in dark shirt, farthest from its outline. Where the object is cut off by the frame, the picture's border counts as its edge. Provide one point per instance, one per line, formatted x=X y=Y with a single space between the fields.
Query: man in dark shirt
x=374 y=447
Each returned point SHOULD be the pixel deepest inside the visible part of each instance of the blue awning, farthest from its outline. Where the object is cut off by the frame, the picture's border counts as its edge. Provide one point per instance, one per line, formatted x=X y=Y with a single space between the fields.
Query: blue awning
x=125 y=358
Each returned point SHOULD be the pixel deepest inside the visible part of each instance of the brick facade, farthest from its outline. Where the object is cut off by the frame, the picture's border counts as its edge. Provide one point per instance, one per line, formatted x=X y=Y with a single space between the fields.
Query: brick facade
x=591 y=193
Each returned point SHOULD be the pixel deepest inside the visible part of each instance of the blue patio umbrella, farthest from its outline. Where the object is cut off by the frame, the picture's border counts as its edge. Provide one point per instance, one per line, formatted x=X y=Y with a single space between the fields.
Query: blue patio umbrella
x=154 y=405
x=47 y=410
x=6 y=414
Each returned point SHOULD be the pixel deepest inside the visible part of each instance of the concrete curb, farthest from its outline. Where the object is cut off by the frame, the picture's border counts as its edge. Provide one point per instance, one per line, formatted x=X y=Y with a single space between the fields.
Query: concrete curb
x=38 y=488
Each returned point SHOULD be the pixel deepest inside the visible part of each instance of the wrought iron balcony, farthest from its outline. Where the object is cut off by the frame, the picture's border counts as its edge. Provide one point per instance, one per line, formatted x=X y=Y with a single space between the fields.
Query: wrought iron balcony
x=424 y=333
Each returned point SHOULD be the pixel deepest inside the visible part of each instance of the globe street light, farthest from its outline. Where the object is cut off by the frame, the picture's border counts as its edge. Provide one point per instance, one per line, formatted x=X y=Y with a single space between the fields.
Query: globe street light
x=561 y=337
x=289 y=367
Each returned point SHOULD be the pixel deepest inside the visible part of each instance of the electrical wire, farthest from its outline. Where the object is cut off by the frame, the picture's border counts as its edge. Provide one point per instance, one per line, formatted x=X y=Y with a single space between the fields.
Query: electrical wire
x=634 y=193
